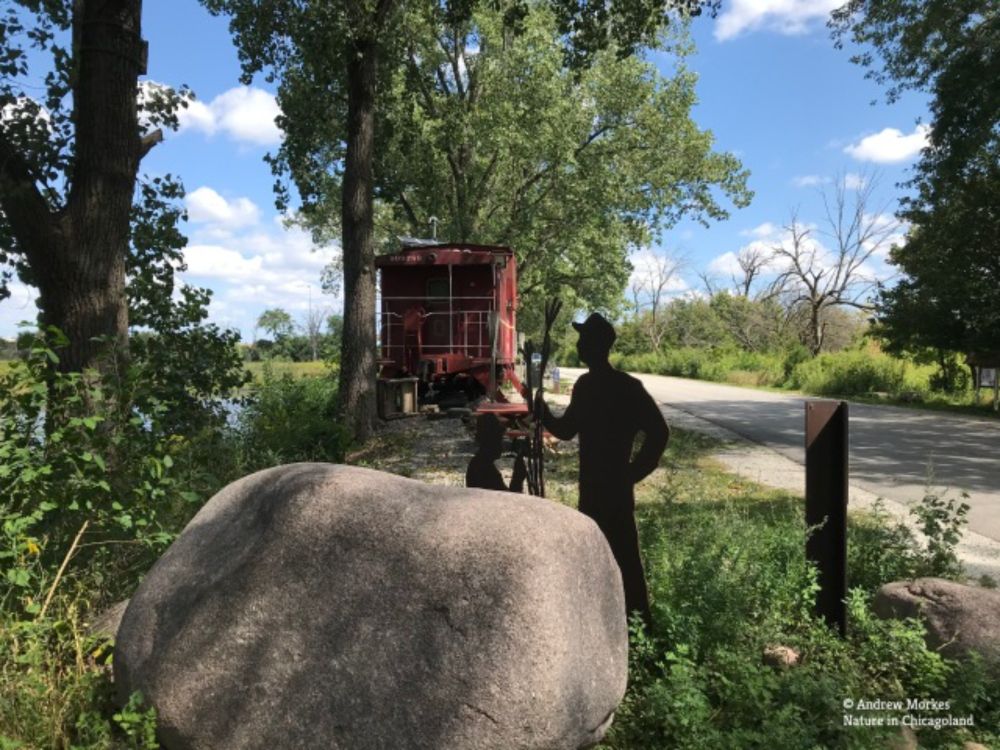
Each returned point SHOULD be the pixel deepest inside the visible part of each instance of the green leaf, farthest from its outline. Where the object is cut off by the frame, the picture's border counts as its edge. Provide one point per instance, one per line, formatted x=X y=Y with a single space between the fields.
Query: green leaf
x=19 y=577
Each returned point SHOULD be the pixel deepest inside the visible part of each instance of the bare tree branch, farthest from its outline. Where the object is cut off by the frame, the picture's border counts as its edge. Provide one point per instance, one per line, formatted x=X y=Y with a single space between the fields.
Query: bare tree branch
x=822 y=277
x=149 y=141
x=650 y=287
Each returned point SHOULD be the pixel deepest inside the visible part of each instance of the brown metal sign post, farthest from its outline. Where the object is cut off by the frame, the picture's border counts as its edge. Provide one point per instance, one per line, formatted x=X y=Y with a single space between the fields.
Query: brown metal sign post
x=826 y=505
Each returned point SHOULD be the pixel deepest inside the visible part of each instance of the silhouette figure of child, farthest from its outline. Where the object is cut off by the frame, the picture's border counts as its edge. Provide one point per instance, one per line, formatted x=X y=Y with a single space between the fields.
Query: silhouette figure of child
x=608 y=409
x=482 y=471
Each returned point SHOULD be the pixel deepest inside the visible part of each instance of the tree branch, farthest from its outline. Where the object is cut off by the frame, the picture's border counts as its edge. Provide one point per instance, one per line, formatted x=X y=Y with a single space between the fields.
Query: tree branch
x=411 y=214
x=424 y=91
x=148 y=141
x=20 y=199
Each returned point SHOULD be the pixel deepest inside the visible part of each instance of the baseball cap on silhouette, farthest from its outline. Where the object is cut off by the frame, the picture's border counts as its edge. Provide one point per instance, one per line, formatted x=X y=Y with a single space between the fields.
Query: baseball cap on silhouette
x=596 y=328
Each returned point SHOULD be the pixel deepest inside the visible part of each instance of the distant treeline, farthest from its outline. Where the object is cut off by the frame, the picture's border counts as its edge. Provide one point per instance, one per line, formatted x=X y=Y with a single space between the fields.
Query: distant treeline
x=8 y=349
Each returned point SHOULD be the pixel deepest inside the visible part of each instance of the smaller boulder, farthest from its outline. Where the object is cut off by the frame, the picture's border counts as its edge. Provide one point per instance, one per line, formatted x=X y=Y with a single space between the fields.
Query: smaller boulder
x=959 y=618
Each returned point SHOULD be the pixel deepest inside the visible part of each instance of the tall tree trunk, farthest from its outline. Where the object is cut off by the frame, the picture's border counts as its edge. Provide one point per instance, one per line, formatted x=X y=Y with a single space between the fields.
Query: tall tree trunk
x=88 y=297
x=815 y=331
x=357 y=361
x=77 y=254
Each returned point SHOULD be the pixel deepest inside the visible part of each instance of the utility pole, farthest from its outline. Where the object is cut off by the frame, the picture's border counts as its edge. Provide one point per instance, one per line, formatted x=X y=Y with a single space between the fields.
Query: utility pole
x=312 y=324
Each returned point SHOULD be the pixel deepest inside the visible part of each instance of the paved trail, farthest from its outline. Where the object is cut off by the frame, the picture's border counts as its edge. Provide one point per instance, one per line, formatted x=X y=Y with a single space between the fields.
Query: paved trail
x=891 y=448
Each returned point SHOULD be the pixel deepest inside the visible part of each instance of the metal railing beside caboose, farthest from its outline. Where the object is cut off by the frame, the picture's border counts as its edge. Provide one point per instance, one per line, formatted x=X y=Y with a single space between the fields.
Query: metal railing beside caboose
x=388 y=319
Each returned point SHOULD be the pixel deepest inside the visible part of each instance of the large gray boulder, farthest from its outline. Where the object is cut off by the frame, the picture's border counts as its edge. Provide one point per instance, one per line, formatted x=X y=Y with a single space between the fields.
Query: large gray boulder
x=958 y=618
x=323 y=606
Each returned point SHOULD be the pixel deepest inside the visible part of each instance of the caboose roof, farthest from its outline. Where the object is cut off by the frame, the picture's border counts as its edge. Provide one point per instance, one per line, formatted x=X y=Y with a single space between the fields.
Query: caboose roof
x=443 y=254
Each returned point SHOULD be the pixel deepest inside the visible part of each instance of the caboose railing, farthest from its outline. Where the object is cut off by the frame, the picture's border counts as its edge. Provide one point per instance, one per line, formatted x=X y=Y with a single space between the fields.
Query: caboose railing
x=392 y=332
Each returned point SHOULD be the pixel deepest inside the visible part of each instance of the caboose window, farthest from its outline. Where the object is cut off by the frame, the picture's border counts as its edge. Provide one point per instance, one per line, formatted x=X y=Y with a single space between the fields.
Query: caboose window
x=437 y=289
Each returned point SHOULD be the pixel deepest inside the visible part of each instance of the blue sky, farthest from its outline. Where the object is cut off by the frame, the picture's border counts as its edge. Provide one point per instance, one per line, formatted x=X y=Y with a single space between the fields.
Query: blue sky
x=772 y=89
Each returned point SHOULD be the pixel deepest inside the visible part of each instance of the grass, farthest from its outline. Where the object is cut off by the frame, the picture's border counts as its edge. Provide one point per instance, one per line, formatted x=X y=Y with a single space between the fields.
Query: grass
x=961 y=403
x=295 y=369
x=942 y=402
x=964 y=403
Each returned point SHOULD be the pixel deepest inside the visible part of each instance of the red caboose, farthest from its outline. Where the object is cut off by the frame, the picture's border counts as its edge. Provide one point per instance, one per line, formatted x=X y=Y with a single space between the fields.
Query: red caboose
x=448 y=316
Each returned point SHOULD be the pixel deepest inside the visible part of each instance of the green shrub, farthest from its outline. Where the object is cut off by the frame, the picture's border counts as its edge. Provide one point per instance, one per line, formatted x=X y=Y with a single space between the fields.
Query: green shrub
x=793 y=357
x=849 y=373
x=55 y=689
x=96 y=478
x=719 y=365
x=87 y=462
x=286 y=419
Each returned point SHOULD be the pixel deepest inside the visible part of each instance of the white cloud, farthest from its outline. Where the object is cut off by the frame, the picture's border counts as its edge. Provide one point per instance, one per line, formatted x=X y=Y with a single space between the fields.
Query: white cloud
x=783 y=16
x=254 y=268
x=809 y=180
x=728 y=264
x=854 y=181
x=725 y=265
x=767 y=229
x=196 y=116
x=648 y=266
x=204 y=205
x=249 y=269
x=217 y=262
x=243 y=113
x=150 y=93
x=889 y=145
x=887 y=231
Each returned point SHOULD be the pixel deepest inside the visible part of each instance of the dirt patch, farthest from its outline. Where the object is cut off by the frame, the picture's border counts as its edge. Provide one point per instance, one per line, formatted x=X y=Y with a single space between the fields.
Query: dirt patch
x=437 y=451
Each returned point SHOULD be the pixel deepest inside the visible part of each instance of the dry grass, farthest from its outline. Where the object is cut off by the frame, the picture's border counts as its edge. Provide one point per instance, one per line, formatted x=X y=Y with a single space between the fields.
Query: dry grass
x=296 y=369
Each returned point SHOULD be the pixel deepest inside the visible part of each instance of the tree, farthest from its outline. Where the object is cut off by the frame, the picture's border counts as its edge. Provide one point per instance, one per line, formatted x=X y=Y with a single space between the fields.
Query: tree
x=818 y=277
x=68 y=163
x=178 y=358
x=333 y=59
x=948 y=299
x=331 y=342
x=313 y=327
x=949 y=296
x=651 y=282
x=950 y=48
x=495 y=137
x=695 y=323
x=276 y=322
x=756 y=325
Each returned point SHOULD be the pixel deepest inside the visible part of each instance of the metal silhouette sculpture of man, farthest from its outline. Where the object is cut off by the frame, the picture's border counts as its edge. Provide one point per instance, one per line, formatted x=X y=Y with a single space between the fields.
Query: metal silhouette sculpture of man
x=482 y=472
x=607 y=410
